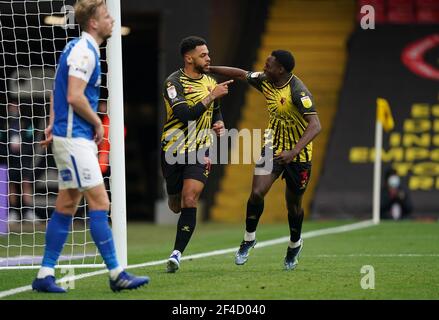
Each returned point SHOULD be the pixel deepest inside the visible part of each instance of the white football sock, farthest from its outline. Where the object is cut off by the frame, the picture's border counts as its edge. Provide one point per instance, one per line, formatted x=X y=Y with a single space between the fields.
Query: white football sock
x=293 y=245
x=114 y=273
x=45 y=271
x=249 y=236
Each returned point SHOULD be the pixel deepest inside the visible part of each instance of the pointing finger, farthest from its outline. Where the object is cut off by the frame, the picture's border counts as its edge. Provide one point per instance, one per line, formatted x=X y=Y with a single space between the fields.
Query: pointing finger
x=225 y=83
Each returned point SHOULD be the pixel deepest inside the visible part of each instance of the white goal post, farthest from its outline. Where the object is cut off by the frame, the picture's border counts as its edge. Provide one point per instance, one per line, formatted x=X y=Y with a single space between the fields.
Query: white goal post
x=117 y=151
x=32 y=36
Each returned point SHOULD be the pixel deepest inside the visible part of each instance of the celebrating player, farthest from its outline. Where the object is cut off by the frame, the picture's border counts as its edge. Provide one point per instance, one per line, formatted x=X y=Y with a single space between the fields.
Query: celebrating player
x=76 y=130
x=191 y=100
x=293 y=124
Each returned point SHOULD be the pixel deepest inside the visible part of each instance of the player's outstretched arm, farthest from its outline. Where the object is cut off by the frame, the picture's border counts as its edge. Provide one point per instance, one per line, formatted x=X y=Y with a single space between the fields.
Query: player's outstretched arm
x=230 y=72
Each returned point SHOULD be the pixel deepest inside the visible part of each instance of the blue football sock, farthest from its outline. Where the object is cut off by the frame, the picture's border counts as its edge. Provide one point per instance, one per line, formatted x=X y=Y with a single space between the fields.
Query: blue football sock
x=103 y=237
x=56 y=235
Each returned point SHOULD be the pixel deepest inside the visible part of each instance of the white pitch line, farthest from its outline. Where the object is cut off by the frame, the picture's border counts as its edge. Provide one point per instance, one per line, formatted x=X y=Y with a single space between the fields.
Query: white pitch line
x=305 y=235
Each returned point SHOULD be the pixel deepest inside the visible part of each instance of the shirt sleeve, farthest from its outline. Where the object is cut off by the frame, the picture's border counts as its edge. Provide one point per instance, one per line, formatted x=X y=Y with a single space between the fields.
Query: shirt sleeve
x=304 y=102
x=81 y=62
x=255 y=79
x=173 y=93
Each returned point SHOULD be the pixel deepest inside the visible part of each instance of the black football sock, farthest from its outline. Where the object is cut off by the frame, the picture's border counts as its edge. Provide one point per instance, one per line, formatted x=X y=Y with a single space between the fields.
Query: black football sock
x=295 y=221
x=254 y=212
x=185 y=228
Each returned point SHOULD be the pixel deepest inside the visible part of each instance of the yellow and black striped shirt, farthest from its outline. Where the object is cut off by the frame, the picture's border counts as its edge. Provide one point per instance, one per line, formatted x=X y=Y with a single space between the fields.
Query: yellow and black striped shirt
x=180 y=89
x=287 y=107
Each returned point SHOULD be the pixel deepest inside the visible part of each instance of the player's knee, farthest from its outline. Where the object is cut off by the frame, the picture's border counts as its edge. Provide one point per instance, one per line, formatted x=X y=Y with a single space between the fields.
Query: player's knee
x=66 y=206
x=99 y=203
x=257 y=196
x=190 y=200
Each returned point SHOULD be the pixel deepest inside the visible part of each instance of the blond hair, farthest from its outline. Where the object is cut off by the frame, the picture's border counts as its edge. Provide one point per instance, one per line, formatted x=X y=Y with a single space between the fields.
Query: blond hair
x=85 y=10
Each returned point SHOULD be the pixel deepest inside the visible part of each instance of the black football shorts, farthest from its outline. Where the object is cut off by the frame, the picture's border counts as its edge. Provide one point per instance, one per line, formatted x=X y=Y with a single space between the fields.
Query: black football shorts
x=296 y=174
x=192 y=168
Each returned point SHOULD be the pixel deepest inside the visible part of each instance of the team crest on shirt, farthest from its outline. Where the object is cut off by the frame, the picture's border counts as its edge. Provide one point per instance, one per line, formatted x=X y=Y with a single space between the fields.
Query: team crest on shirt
x=172 y=92
x=306 y=101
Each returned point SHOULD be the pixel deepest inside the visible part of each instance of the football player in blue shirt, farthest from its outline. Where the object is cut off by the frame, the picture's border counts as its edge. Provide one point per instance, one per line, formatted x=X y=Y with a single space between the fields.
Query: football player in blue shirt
x=75 y=130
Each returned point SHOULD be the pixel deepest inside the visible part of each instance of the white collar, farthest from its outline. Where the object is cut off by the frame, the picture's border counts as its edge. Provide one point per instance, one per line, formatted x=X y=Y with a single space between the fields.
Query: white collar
x=90 y=38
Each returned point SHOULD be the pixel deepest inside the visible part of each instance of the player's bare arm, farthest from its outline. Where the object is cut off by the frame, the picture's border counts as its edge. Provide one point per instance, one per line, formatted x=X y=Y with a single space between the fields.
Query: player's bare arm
x=312 y=130
x=77 y=99
x=231 y=72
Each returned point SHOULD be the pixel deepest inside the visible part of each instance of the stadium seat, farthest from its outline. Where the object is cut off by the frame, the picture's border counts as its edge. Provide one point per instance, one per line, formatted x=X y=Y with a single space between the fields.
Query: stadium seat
x=380 y=10
x=401 y=11
x=427 y=11
x=427 y=16
x=427 y=3
x=375 y=3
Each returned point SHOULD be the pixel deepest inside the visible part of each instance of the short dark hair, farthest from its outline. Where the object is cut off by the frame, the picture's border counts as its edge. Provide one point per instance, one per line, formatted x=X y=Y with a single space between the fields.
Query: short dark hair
x=189 y=43
x=285 y=59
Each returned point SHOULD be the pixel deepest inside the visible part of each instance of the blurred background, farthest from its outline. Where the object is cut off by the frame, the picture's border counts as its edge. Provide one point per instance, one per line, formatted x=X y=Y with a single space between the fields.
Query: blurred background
x=344 y=62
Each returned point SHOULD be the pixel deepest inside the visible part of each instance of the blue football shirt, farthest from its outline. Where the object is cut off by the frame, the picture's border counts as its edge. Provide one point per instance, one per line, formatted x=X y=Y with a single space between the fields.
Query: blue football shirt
x=80 y=59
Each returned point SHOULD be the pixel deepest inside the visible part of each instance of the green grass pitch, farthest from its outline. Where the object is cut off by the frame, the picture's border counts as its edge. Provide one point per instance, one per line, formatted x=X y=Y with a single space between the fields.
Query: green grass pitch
x=404 y=256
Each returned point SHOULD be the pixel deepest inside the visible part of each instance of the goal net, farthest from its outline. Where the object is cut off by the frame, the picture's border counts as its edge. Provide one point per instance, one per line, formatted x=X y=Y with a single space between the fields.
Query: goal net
x=32 y=36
